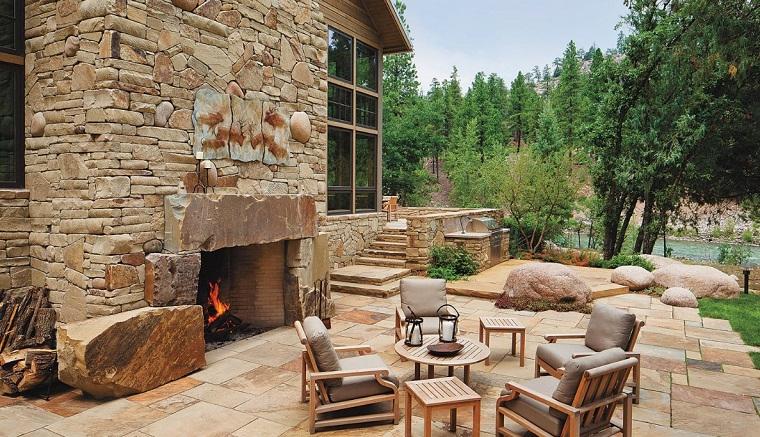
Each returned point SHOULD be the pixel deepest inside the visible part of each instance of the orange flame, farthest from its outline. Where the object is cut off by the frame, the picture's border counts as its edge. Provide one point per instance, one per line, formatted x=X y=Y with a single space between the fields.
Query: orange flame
x=216 y=302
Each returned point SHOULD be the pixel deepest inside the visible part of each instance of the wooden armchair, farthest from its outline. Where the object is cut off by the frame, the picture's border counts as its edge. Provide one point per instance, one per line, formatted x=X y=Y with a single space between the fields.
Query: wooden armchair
x=390 y=206
x=582 y=403
x=424 y=296
x=608 y=327
x=338 y=384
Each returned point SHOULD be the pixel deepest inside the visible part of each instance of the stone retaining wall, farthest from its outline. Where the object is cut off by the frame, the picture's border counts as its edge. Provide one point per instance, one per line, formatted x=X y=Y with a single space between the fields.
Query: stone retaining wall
x=15 y=226
x=479 y=248
x=110 y=88
x=350 y=234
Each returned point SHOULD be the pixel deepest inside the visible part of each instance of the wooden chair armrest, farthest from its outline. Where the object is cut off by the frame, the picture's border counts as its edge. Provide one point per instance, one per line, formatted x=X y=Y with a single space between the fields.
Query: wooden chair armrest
x=360 y=348
x=546 y=400
x=552 y=338
x=400 y=316
x=317 y=376
x=636 y=355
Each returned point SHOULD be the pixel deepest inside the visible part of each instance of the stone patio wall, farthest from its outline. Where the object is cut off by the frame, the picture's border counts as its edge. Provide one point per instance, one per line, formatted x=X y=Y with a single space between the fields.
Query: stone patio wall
x=15 y=226
x=110 y=89
x=350 y=234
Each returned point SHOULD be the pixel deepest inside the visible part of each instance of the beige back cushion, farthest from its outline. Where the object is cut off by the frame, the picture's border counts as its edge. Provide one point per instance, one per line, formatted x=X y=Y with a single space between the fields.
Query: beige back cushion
x=321 y=347
x=574 y=369
x=424 y=295
x=609 y=327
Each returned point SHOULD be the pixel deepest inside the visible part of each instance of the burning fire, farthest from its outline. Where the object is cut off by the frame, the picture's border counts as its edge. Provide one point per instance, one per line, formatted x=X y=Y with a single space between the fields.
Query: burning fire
x=215 y=302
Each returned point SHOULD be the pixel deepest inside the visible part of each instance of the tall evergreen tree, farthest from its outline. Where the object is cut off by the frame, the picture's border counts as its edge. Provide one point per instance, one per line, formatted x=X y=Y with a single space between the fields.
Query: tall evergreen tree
x=567 y=98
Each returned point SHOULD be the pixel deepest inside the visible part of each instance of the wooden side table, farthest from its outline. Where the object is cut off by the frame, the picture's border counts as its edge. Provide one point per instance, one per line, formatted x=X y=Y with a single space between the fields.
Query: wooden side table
x=448 y=393
x=503 y=324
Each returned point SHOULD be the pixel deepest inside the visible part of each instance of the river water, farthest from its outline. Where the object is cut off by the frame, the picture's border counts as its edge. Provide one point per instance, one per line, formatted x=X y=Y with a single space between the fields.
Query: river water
x=694 y=250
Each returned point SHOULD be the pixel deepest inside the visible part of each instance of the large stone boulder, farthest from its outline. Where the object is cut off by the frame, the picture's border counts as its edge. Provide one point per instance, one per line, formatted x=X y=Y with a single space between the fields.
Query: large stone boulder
x=679 y=297
x=131 y=352
x=660 y=261
x=547 y=281
x=703 y=281
x=634 y=277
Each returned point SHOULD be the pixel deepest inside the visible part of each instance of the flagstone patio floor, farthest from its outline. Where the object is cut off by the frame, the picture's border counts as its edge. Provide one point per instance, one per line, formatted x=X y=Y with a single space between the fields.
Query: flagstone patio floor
x=697 y=380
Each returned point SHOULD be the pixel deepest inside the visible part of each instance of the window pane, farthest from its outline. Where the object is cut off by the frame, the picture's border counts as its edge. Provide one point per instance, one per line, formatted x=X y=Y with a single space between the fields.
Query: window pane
x=8 y=121
x=339 y=56
x=366 y=66
x=338 y=158
x=338 y=201
x=339 y=104
x=366 y=110
x=8 y=25
x=365 y=200
x=366 y=161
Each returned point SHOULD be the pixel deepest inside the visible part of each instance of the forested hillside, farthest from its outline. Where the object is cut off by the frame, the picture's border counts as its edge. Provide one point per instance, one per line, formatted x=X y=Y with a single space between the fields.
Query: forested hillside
x=668 y=116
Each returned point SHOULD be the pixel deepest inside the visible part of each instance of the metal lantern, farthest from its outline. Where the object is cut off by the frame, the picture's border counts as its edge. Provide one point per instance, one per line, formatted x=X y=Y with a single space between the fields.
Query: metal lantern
x=413 y=329
x=447 y=324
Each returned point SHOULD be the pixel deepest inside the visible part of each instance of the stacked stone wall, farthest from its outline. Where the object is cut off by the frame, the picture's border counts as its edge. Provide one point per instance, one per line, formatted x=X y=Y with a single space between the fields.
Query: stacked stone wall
x=15 y=226
x=110 y=88
x=350 y=234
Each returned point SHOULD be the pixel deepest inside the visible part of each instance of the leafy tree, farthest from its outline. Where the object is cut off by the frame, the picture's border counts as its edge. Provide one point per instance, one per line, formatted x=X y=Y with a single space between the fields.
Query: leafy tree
x=518 y=108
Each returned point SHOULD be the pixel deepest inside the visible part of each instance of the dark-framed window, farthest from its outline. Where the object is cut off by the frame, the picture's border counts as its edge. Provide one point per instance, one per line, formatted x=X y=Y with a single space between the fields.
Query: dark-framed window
x=366 y=66
x=11 y=93
x=353 y=135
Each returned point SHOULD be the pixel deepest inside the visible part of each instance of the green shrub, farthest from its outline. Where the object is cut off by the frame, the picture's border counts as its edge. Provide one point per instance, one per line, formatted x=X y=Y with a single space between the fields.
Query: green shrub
x=747 y=236
x=622 y=260
x=537 y=305
x=451 y=263
x=733 y=254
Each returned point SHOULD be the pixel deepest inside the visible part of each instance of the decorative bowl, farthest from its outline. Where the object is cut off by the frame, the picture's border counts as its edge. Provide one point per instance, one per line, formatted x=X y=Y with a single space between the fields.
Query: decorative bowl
x=445 y=349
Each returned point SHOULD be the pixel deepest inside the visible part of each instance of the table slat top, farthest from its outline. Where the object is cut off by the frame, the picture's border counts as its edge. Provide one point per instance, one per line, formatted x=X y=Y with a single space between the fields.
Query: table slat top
x=505 y=323
x=441 y=391
x=473 y=352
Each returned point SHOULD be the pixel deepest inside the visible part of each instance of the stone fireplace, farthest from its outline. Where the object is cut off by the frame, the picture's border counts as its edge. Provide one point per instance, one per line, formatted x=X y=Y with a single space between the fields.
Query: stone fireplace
x=259 y=255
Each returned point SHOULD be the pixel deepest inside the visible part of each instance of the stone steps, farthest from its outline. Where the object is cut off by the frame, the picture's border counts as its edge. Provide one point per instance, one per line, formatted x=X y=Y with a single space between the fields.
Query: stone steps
x=382 y=262
x=364 y=274
x=389 y=245
x=386 y=290
x=383 y=253
x=399 y=238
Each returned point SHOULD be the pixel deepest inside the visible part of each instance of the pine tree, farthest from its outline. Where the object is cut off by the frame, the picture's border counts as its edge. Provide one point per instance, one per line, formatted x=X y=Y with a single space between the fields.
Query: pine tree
x=567 y=98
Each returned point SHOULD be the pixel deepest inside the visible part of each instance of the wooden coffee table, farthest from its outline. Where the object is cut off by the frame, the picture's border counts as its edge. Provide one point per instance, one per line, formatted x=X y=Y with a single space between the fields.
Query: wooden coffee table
x=503 y=324
x=472 y=353
x=448 y=393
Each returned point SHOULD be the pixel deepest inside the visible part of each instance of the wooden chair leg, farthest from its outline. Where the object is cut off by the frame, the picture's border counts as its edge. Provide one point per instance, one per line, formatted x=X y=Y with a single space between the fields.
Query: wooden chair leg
x=396 y=409
x=628 y=417
x=574 y=425
x=499 y=420
x=303 y=377
x=637 y=382
x=312 y=407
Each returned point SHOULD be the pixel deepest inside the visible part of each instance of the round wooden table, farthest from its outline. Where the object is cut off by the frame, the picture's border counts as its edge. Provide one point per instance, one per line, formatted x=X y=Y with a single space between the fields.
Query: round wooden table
x=472 y=353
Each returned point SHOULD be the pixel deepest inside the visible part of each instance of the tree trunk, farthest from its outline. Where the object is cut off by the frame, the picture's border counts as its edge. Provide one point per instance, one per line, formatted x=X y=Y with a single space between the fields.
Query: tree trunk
x=646 y=220
x=624 y=227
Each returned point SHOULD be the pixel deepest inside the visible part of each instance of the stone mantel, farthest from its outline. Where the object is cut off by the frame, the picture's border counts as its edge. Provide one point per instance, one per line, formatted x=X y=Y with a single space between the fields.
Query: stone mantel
x=197 y=221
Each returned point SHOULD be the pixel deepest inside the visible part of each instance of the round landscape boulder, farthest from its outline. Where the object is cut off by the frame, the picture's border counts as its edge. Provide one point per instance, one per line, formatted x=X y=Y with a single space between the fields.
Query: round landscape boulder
x=660 y=261
x=703 y=281
x=634 y=277
x=547 y=281
x=679 y=297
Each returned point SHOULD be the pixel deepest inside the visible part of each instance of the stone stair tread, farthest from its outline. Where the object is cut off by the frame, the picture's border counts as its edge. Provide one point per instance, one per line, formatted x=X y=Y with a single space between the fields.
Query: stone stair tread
x=386 y=245
x=386 y=262
x=385 y=252
x=364 y=274
x=385 y=290
x=392 y=237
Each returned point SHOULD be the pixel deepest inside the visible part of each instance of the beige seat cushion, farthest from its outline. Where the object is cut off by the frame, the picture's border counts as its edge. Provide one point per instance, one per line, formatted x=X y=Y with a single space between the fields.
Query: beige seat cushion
x=534 y=411
x=424 y=295
x=575 y=368
x=322 y=348
x=355 y=387
x=609 y=327
x=557 y=354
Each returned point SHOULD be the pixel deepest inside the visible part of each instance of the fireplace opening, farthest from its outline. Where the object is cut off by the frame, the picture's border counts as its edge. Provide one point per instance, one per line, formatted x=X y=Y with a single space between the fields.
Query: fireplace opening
x=241 y=291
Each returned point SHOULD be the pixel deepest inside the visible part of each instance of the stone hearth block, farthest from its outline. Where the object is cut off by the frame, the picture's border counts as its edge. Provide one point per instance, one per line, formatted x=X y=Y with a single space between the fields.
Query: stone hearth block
x=196 y=221
x=131 y=352
x=171 y=279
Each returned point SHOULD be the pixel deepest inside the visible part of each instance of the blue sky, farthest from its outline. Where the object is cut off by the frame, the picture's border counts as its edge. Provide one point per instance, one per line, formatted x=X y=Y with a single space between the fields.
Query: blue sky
x=504 y=36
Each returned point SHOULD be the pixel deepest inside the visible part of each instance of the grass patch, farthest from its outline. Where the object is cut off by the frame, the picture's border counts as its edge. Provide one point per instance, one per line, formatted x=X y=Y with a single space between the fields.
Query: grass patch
x=744 y=315
x=654 y=291
x=526 y=304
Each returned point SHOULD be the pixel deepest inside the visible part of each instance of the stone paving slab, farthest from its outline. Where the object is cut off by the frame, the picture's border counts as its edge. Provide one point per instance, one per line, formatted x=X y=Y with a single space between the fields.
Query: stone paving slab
x=696 y=380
